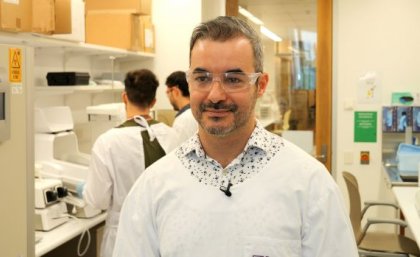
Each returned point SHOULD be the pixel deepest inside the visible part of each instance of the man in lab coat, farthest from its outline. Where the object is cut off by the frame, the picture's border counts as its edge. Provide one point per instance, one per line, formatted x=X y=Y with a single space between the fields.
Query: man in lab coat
x=121 y=154
x=234 y=189
x=179 y=96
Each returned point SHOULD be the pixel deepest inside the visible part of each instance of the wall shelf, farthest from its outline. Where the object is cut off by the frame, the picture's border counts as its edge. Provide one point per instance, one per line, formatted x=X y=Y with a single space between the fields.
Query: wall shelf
x=47 y=43
x=88 y=89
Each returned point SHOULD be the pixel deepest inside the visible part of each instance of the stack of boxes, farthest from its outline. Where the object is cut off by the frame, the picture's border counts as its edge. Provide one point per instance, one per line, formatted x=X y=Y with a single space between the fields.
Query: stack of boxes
x=40 y=16
x=122 y=24
x=15 y=16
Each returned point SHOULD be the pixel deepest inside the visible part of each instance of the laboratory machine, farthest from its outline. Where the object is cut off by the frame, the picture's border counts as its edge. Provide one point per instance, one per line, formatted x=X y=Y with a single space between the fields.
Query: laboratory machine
x=58 y=156
x=50 y=211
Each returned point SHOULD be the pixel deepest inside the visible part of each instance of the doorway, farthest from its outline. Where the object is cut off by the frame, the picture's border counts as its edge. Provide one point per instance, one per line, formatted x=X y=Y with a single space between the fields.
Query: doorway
x=301 y=65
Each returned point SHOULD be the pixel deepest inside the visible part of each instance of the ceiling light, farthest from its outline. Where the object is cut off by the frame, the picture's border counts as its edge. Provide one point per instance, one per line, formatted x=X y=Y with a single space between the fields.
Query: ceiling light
x=250 y=16
x=268 y=33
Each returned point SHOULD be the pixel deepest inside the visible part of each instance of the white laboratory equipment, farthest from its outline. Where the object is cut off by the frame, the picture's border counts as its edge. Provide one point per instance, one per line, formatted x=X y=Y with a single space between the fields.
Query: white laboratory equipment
x=57 y=153
x=50 y=212
x=103 y=117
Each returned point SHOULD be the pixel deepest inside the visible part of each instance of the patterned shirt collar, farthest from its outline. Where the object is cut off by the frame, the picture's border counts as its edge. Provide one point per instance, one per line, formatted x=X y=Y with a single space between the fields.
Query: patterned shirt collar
x=261 y=147
x=193 y=145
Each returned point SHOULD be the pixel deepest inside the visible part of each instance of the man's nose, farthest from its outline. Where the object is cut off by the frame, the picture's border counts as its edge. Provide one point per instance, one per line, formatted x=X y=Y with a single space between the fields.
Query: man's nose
x=217 y=92
x=217 y=79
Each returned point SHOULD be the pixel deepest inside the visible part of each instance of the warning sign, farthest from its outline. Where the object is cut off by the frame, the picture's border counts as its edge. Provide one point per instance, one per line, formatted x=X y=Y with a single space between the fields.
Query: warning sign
x=15 y=65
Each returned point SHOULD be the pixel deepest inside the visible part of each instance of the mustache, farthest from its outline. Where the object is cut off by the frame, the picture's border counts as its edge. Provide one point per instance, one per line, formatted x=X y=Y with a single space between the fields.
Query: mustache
x=218 y=105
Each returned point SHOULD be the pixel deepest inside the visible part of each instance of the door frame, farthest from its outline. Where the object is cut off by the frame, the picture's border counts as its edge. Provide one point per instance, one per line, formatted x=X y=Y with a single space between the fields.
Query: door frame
x=323 y=121
x=323 y=117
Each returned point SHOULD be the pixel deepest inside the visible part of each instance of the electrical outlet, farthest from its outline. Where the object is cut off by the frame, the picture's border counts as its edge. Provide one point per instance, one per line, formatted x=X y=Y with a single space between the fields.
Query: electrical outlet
x=364 y=157
x=348 y=157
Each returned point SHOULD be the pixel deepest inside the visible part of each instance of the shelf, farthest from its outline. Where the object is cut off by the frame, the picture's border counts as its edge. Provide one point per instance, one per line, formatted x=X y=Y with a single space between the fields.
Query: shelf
x=63 y=90
x=47 y=43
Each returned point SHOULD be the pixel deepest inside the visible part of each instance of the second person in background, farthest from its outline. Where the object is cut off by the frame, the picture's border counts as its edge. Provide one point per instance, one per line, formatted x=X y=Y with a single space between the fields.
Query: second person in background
x=120 y=155
x=177 y=91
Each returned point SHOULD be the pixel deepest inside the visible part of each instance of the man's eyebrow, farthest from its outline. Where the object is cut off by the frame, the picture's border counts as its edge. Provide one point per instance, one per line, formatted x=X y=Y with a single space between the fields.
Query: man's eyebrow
x=199 y=70
x=234 y=70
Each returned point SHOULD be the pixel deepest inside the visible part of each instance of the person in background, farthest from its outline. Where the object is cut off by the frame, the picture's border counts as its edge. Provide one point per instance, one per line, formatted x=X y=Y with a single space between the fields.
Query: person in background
x=233 y=189
x=417 y=119
x=120 y=155
x=179 y=96
x=402 y=123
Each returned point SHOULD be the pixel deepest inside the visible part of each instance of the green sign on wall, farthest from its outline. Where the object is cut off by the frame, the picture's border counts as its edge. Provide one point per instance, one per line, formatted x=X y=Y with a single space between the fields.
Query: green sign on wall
x=365 y=126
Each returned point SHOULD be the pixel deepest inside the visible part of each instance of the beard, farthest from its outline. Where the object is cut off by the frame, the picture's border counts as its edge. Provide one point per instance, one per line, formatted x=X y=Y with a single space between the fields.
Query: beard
x=240 y=118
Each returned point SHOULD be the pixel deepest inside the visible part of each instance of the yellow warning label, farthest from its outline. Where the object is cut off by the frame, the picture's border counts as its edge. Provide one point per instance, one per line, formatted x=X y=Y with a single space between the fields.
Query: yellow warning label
x=15 y=65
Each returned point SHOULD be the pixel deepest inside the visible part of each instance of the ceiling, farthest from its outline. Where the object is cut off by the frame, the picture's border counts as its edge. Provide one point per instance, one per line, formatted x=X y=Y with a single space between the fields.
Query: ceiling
x=281 y=16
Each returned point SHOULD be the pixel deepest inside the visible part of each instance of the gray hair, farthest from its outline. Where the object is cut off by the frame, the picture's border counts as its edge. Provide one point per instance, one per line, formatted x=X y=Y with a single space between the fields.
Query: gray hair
x=224 y=28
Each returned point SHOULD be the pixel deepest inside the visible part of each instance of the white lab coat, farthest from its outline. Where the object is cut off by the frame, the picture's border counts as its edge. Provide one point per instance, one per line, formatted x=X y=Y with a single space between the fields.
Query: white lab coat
x=117 y=161
x=291 y=208
x=185 y=125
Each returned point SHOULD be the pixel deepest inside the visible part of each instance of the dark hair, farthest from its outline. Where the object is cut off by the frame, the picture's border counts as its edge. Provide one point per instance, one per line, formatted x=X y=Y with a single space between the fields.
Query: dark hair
x=224 y=28
x=141 y=86
x=178 y=79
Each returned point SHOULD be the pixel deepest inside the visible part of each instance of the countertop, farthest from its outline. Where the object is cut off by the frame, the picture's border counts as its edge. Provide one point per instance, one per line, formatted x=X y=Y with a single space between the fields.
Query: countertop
x=65 y=232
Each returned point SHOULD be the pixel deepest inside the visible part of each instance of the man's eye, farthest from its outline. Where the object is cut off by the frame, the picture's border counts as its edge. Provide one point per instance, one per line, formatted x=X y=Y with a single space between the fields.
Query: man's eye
x=202 y=78
x=233 y=80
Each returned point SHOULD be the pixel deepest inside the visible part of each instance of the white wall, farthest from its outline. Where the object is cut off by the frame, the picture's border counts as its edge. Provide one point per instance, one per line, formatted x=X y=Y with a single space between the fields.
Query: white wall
x=212 y=8
x=174 y=22
x=380 y=36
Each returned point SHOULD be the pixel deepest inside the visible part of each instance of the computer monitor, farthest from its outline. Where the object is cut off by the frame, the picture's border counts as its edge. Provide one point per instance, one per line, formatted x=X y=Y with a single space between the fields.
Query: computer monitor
x=4 y=112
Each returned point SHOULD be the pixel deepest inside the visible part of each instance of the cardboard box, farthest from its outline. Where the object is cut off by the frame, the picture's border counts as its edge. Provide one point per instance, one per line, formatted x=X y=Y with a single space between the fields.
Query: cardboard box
x=143 y=7
x=63 y=21
x=147 y=34
x=16 y=15
x=77 y=23
x=43 y=16
x=114 y=28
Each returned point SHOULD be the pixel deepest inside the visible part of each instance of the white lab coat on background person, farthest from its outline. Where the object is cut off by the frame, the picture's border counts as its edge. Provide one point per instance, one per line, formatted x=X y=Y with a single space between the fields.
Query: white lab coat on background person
x=117 y=161
x=185 y=125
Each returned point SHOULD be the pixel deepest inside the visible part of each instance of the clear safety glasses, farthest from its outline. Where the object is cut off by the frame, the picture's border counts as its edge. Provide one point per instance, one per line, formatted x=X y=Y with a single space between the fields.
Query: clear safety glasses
x=230 y=81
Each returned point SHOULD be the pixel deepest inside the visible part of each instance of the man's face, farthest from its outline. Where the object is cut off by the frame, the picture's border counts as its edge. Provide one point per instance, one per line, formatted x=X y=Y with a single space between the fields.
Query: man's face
x=220 y=113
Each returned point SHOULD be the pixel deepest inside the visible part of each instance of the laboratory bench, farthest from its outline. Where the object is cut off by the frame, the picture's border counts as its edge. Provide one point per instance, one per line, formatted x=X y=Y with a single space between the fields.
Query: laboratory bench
x=406 y=197
x=48 y=241
x=394 y=178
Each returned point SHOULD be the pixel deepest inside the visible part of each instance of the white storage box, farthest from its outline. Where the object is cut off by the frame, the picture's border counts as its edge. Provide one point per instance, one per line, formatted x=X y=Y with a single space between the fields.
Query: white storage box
x=53 y=119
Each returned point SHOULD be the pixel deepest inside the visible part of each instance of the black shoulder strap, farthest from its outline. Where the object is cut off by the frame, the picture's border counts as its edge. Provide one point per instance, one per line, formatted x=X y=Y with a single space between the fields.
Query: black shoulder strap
x=153 y=151
x=128 y=123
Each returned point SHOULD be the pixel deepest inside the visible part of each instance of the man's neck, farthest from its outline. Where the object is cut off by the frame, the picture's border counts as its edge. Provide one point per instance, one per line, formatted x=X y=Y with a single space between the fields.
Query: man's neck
x=132 y=111
x=225 y=149
x=182 y=103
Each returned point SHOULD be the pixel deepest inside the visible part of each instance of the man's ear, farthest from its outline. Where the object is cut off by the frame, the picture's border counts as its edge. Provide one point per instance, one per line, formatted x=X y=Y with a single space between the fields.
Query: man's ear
x=124 y=97
x=153 y=103
x=262 y=84
x=177 y=91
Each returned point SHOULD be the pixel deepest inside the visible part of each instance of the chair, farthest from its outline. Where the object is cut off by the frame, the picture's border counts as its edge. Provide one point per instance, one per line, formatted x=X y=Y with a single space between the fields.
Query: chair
x=286 y=119
x=384 y=244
